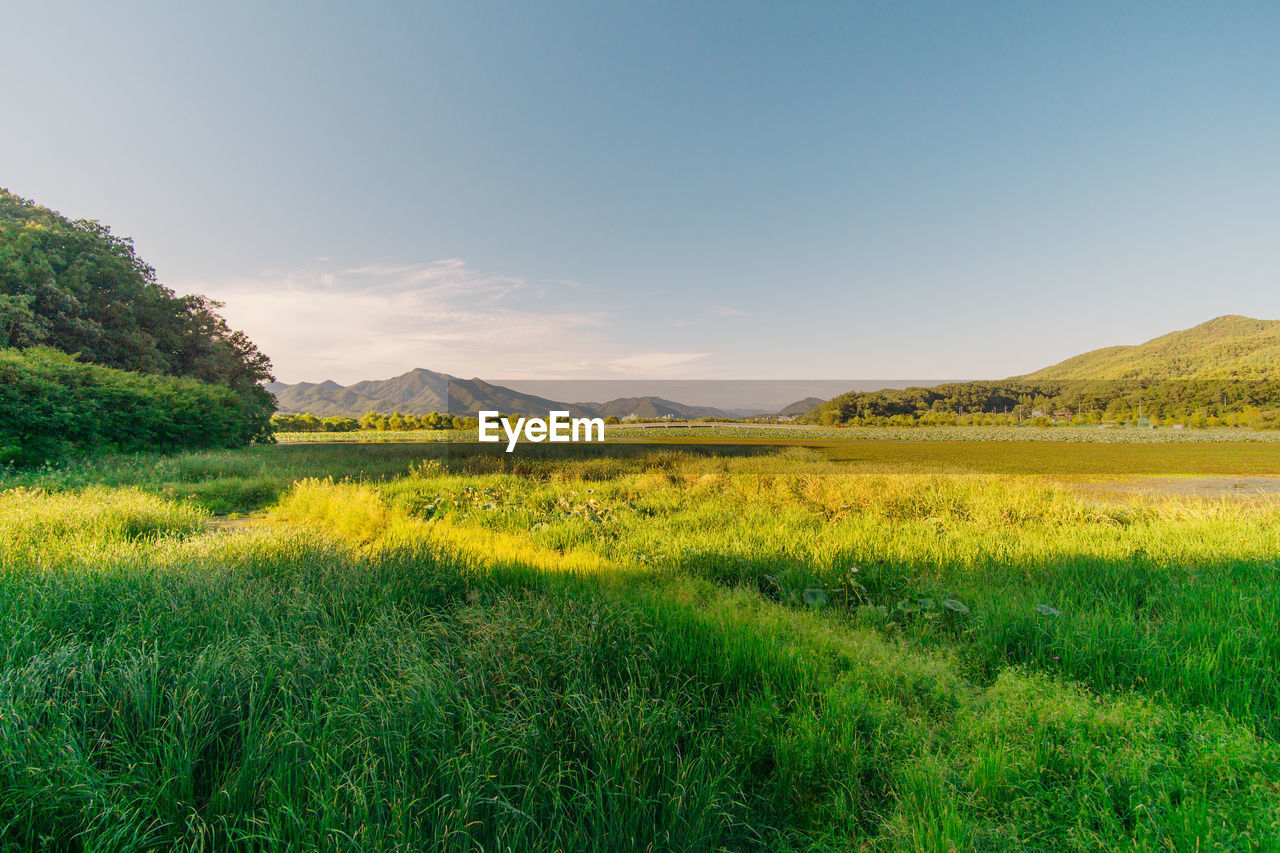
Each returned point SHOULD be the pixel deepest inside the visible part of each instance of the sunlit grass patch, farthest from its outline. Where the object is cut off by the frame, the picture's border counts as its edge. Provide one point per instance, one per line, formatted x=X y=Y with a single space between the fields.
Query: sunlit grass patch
x=33 y=517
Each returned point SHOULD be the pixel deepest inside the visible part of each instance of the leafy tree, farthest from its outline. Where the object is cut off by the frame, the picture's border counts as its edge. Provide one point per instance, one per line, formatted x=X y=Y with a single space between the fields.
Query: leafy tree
x=340 y=424
x=77 y=287
x=17 y=322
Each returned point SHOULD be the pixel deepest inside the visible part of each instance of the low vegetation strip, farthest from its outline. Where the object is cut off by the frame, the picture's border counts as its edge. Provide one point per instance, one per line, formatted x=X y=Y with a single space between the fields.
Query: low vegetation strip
x=704 y=433
x=53 y=406
x=662 y=649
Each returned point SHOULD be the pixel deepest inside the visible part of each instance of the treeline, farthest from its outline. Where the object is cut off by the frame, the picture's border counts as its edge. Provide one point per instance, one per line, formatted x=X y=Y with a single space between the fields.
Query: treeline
x=394 y=422
x=52 y=405
x=77 y=288
x=1192 y=403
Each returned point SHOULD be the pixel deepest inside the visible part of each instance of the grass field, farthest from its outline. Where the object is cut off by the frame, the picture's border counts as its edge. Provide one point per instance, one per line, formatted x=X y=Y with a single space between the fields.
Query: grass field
x=733 y=646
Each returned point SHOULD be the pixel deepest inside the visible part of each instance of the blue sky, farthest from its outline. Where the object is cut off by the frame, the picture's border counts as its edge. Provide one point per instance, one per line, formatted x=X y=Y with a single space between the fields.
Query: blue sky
x=700 y=190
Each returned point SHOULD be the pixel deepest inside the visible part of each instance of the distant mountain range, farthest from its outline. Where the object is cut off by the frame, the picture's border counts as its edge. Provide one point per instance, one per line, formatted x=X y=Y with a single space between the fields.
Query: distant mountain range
x=421 y=391
x=1230 y=347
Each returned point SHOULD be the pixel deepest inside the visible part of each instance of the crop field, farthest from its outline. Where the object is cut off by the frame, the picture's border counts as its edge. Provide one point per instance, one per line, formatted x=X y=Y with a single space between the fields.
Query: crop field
x=650 y=645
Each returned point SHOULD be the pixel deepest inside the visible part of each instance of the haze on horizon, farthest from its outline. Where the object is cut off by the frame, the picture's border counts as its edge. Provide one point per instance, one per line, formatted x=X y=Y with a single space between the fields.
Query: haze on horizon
x=608 y=190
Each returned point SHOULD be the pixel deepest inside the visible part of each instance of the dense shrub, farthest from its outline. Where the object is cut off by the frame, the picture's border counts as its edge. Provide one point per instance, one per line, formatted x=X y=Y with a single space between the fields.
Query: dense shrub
x=52 y=405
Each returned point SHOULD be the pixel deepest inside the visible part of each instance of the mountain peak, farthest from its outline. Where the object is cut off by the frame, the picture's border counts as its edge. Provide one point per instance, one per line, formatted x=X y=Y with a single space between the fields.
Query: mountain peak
x=422 y=372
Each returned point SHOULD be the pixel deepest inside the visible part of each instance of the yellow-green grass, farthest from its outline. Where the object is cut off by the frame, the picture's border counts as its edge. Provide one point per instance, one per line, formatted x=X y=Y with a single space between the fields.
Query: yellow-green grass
x=374 y=436
x=613 y=651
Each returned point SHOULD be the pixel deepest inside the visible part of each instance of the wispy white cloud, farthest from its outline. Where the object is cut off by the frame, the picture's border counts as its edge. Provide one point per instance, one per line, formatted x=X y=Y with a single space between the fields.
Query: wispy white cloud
x=655 y=363
x=729 y=312
x=378 y=320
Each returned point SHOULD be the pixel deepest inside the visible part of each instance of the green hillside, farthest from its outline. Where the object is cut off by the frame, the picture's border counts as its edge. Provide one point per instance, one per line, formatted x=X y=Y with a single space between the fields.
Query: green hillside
x=1225 y=372
x=1230 y=347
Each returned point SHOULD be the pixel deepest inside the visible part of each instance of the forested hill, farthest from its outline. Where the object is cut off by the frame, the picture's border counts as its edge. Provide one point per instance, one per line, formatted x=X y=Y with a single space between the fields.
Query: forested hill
x=1230 y=347
x=76 y=287
x=1223 y=372
x=95 y=354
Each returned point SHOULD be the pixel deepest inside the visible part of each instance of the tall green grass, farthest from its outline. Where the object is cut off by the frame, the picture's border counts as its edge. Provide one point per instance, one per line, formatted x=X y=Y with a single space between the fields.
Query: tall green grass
x=614 y=653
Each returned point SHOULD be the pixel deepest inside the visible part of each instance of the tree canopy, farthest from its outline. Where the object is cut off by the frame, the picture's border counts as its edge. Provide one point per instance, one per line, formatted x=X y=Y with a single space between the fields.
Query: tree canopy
x=76 y=287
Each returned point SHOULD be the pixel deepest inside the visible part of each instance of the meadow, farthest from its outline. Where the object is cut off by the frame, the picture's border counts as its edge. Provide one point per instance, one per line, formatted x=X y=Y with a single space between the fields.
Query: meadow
x=880 y=646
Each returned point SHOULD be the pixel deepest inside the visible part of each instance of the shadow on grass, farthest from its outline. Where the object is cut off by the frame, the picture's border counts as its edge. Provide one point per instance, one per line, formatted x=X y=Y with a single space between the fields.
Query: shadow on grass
x=1199 y=635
